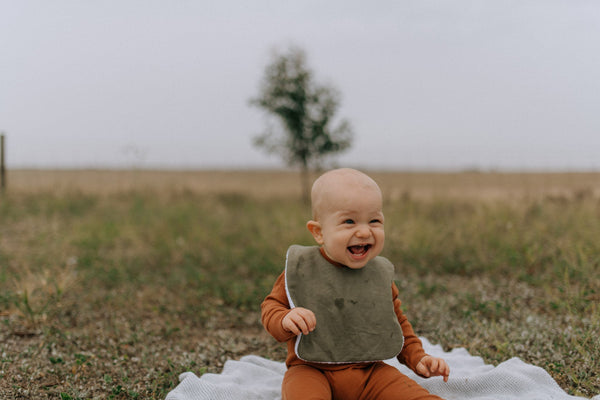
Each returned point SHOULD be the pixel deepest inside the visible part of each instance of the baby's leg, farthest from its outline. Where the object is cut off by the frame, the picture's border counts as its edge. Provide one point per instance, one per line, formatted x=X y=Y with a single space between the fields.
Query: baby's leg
x=302 y=382
x=387 y=383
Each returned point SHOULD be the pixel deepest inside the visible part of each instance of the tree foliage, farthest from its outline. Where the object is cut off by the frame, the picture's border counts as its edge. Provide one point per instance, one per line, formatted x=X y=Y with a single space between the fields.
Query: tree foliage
x=304 y=110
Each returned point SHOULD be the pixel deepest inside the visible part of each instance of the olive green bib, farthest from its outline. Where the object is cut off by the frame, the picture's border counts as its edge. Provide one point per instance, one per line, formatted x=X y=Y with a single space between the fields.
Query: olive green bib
x=354 y=308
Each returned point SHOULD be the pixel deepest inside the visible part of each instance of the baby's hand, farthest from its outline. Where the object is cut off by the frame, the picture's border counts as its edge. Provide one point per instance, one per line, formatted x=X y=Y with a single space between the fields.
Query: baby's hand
x=299 y=320
x=432 y=366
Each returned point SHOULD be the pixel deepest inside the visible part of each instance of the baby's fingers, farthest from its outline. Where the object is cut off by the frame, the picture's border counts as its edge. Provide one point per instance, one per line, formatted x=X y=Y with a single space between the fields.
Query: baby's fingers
x=440 y=367
x=301 y=324
x=445 y=371
x=299 y=320
x=294 y=323
x=309 y=318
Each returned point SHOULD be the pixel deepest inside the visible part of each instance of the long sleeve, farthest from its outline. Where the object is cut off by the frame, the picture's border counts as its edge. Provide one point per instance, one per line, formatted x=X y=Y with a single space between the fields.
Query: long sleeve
x=412 y=351
x=274 y=308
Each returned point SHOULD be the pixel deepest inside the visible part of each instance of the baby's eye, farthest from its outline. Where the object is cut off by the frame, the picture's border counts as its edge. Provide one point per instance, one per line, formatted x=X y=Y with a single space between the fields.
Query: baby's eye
x=376 y=221
x=349 y=221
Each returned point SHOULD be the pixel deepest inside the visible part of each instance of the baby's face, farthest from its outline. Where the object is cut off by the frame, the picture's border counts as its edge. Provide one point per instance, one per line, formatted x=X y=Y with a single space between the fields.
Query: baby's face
x=351 y=224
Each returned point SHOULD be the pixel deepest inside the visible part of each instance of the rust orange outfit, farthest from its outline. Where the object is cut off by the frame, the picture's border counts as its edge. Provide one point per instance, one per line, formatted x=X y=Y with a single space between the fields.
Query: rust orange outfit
x=373 y=380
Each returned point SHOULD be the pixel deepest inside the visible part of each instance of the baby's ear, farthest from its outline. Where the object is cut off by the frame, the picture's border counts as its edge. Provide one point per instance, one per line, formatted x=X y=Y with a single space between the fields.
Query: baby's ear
x=315 y=228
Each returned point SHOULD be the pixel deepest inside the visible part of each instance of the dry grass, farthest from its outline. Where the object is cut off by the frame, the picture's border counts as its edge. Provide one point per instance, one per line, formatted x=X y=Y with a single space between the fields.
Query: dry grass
x=266 y=184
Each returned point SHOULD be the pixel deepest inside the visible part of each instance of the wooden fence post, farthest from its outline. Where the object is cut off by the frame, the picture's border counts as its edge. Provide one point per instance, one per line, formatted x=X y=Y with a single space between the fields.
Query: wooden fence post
x=2 y=168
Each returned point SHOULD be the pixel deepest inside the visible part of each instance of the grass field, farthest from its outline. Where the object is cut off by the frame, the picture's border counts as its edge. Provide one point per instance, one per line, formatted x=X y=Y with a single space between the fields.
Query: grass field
x=112 y=283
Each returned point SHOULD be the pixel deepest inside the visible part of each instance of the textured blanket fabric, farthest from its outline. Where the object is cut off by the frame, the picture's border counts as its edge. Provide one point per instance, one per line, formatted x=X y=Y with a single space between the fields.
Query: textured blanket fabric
x=256 y=378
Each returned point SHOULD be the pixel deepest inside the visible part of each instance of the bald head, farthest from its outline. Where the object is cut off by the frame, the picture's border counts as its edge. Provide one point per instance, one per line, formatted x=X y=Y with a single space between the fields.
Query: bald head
x=335 y=184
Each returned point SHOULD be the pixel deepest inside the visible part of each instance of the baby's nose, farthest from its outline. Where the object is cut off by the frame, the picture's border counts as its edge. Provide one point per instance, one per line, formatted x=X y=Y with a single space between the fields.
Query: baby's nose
x=363 y=231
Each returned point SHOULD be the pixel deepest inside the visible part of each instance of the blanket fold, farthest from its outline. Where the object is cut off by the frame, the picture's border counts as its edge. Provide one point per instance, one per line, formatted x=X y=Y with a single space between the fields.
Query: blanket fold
x=256 y=378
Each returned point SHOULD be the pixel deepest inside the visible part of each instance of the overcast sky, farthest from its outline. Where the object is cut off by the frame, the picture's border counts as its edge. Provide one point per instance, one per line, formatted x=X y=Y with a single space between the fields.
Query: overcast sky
x=447 y=84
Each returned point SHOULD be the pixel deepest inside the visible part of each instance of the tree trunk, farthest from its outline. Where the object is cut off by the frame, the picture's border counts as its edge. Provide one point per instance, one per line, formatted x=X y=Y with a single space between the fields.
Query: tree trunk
x=305 y=183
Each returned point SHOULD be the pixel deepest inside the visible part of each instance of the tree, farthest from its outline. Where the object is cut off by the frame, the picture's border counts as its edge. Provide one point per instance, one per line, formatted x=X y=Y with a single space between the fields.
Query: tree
x=304 y=111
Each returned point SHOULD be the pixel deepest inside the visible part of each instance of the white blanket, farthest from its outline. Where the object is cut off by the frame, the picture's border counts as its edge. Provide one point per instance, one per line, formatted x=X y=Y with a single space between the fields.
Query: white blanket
x=256 y=378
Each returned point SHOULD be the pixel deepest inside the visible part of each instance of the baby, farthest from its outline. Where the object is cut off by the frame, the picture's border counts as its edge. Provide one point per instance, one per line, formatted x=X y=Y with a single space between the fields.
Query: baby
x=337 y=307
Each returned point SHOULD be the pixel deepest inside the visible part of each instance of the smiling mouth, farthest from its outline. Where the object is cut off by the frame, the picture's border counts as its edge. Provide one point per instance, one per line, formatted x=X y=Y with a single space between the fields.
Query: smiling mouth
x=359 y=250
